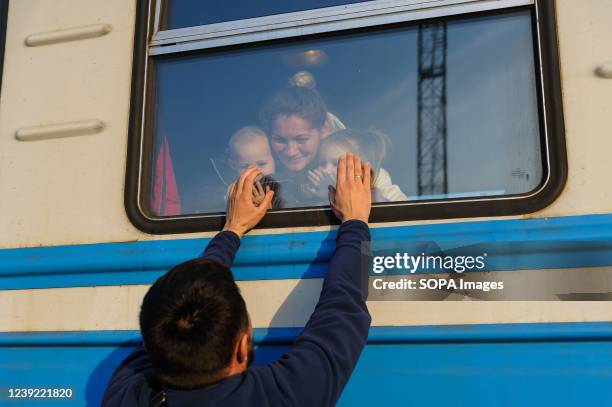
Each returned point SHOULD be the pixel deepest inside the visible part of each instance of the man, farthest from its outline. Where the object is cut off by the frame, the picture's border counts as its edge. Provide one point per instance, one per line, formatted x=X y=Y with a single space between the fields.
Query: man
x=197 y=332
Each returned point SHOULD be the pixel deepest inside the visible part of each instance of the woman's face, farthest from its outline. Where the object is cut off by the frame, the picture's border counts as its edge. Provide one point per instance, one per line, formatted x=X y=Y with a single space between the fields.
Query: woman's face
x=328 y=158
x=295 y=141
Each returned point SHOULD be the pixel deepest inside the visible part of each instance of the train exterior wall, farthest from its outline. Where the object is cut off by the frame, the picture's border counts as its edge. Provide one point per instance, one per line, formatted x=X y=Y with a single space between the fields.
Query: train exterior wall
x=73 y=269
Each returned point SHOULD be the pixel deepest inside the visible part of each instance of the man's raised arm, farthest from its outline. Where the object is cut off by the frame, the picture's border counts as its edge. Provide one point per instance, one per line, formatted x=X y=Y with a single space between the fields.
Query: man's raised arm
x=242 y=215
x=316 y=370
x=128 y=384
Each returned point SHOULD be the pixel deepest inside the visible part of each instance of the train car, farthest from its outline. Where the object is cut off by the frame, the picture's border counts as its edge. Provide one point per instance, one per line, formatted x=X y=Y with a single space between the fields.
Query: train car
x=122 y=124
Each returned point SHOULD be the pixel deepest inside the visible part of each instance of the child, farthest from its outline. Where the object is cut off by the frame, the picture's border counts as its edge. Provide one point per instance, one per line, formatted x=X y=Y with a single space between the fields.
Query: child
x=249 y=146
x=371 y=146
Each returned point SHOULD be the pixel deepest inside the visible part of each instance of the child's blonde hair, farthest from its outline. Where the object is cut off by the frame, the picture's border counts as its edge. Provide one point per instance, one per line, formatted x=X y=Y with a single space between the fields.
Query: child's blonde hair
x=245 y=135
x=370 y=145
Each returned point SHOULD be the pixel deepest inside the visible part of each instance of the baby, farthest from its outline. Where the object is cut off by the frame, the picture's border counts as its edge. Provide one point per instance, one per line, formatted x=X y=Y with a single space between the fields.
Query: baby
x=371 y=146
x=249 y=146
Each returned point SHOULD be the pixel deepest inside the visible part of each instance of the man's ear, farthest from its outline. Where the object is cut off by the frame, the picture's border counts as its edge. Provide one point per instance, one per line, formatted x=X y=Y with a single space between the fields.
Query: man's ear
x=242 y=349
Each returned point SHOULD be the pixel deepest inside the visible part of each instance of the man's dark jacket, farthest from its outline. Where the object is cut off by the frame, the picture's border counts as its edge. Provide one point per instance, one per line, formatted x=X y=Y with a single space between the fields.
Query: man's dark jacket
x=316 y=369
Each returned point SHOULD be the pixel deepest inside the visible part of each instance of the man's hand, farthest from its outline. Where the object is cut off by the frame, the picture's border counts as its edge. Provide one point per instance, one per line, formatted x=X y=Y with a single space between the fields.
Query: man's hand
x=352 y=197
x=242 y=213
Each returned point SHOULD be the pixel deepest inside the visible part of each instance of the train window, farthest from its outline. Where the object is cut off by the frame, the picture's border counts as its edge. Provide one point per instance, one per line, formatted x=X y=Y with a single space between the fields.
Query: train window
x=448 y=110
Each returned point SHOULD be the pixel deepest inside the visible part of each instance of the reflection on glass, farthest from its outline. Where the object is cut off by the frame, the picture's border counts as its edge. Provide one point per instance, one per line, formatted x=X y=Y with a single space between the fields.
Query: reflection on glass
x=188 y=13
x=292 y=109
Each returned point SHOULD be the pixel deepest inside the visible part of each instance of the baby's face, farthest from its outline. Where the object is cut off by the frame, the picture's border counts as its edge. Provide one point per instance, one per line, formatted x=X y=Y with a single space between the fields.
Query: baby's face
x=328 y=158
x=253 y=152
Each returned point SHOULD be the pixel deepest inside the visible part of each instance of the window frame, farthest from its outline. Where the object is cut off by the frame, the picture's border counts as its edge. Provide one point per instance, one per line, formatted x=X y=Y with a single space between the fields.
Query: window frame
x=4 y=7
x=150 y=42
x=316 y=21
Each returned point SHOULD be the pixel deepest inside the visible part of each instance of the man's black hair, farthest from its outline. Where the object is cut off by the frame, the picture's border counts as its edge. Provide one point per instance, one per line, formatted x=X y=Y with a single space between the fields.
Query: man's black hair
x=190 y=320
x=294 y=100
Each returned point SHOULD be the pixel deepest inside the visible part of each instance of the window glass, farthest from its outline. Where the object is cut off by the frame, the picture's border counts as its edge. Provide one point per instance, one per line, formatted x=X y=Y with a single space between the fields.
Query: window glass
x=442 y=110
x=188 y=13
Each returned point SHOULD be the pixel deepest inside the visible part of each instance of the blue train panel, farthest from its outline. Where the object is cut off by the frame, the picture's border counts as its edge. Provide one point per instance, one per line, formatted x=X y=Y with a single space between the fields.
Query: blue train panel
x=479 y=365
x=516 y=244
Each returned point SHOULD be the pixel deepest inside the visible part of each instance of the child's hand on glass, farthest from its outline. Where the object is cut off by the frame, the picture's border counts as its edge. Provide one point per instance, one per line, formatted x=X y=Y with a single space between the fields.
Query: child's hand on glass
x=318 y=183
x=258 y=193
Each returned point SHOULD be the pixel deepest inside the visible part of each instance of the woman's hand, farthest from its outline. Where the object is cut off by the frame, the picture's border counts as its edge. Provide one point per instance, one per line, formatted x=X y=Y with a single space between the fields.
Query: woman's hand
x=352 y=197
x=242 y=213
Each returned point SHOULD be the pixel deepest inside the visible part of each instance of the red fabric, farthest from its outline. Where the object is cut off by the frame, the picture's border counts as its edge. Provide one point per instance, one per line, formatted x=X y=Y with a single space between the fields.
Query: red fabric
x=165 y=200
